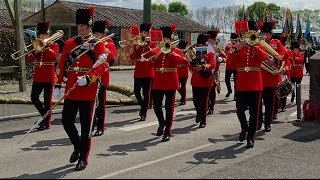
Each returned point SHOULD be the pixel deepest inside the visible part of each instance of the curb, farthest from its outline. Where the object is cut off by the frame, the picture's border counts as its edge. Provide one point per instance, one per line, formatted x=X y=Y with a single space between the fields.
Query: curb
x=121 y=68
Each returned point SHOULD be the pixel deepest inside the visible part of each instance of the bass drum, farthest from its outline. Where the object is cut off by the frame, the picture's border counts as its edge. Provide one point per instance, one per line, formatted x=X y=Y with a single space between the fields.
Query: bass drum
x=284 y=88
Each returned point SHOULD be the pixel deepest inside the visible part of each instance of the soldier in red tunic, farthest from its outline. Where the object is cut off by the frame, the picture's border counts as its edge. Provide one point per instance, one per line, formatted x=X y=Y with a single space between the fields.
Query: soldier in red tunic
x=201 y=79
x=270 y=81
x=84 y=57
x=183 y=73
x=231 y=68
x=166 y=83
x=249 y=86
x=143 y=72
x=296 y=72
x=99 y=29
x=44 y=75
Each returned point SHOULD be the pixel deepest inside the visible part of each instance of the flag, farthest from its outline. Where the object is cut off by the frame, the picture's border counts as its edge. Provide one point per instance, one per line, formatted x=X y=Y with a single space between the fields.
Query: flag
x=307 y=31
x=298 y=28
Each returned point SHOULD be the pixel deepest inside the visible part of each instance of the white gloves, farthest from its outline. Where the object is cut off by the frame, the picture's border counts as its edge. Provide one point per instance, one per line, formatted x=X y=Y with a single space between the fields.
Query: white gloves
x=82 y=80
x=56 y=93
x=102 y=59
x=220 y=59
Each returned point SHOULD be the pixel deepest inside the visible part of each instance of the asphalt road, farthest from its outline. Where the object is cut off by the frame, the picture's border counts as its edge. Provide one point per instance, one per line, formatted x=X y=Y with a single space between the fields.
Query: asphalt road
x=130 y=149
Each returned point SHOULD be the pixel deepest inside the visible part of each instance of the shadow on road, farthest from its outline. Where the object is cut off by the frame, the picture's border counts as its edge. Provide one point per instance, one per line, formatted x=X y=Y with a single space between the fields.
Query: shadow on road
x=51 y=174
x=10 y=135
x=308 y=132
x=48 y=144
x=125 y=111
x=212 y=157
x=124 y=149
x=122 y=123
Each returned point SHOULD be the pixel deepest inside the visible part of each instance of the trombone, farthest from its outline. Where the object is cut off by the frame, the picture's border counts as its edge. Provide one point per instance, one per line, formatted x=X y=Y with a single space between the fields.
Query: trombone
x=104 y=39
x=140 y=39
x=165 y=48
x=38 y=45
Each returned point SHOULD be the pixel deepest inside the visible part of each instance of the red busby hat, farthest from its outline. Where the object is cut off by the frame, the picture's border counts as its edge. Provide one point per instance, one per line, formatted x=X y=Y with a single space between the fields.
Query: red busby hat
x=241 y=26
x=234 y=36
x=267 y=27
x=85 y=16
x=43 y=28
x=167 y=31
x=202 y=39
x=182 y=44
x=145 y=27
x=295 y=44
x=213 y=34
x=100 y=26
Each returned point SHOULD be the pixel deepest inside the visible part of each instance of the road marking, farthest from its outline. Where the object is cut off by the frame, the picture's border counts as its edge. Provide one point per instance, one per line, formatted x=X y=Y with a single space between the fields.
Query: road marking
x=161 y=159
x=294 y=114
x=138 y=126
x=27 y=115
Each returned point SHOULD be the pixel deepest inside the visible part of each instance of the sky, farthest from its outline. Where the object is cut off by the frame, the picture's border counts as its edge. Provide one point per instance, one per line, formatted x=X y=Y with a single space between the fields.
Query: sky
x=194 y=4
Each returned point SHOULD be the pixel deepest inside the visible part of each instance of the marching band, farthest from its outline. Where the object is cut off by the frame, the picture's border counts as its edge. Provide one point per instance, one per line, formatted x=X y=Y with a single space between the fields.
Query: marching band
x=160 y=68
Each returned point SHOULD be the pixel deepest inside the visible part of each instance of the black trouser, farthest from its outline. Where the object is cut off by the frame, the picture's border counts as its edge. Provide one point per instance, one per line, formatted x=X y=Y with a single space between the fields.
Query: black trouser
x=183 y=91
x=200 y=101
x=99 y=119
x=37 y=88
x=295 y=81
x=252 y=100
x=276 y=105
x=212 y=97
x=69 y=112
x=145 y=85
x=268 y=97
x=228 y=77
x=283 y=103
x=158 y=96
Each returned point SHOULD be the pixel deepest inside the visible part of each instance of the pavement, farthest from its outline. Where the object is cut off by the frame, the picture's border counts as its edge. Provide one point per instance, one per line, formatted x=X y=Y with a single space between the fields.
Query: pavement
x=130 y=149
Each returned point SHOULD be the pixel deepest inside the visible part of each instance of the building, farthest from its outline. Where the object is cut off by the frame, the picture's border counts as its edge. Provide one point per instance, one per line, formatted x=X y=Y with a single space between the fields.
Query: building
x=5 y=21
x=62 y=15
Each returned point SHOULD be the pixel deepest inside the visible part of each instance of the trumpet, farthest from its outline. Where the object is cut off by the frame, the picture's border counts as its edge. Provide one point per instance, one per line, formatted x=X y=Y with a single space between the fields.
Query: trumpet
x=165 y=48
x=38 y=45
x=104 y=39
x=140 y=39
x=190 y=52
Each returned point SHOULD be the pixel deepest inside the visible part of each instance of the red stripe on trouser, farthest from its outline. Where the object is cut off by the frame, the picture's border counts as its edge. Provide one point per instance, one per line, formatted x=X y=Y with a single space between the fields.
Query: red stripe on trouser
x=273 y=106
x=50 y=113
x=258 y=113
x=207 y=105
x=89 y=139
x=149 y=94
x=172 y=110
x=104 y=110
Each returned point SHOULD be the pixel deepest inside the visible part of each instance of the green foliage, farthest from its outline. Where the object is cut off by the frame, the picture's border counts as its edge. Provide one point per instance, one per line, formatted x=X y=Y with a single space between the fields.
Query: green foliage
x=159 y=7
x=260 y=11
x=178 y=7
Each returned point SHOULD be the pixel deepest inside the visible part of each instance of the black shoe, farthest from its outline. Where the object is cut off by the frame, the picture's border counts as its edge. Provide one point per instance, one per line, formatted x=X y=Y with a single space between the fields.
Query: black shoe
x=228 y=94
x=242 y=136
x=181 y=104
x=197 y=119
x=160 y=130
x=250 y=144
x=202 y=125
x=210 y=112
x=166 y=138
x=292 y=99
x=267 y=128
x=142 y=118
x=74 y=156
x=98 y=133
x=81 y=166
x=259 y=126
x=275 y=117
x=283 y=110
x=42 y=127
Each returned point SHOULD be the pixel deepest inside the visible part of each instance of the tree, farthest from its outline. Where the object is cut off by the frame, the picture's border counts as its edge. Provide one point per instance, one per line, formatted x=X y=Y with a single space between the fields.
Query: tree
x=178 y=7
x=159 y=7
x=260 y=11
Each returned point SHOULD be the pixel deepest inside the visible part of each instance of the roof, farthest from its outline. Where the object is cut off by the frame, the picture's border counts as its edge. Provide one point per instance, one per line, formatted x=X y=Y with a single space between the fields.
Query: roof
x=126 y=17
x=5 y=20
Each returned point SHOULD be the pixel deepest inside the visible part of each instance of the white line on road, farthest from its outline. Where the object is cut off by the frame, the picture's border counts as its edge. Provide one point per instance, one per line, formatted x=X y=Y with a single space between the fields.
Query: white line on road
x=159 y=160
x=26 y=115
x=139 y=126
x=294 y=114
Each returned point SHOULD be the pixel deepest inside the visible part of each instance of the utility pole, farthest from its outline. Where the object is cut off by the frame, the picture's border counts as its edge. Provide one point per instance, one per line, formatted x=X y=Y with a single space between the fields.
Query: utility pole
x=20 y=45
x=43 y=12
x=146 y=11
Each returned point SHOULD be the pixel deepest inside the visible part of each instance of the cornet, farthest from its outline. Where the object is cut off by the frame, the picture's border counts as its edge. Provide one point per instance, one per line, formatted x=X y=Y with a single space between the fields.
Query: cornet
x=38 y=44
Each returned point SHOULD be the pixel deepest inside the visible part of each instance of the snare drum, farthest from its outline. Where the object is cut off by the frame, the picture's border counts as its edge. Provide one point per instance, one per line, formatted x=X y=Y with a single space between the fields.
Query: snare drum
x=284 y=88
